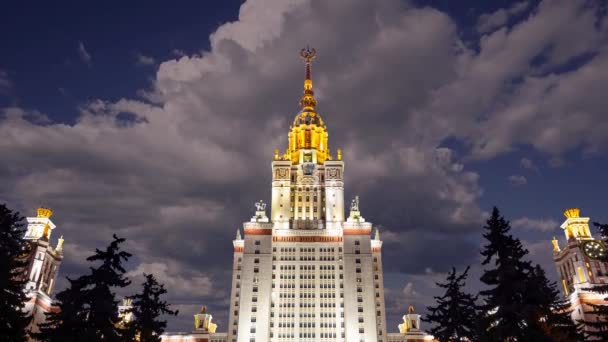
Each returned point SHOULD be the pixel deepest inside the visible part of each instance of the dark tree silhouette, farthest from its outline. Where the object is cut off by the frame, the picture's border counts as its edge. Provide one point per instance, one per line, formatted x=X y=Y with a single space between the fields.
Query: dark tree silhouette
x=13 y=320
x=503 y=316
x=147 y=309
x=88 y=309
x=455 y=315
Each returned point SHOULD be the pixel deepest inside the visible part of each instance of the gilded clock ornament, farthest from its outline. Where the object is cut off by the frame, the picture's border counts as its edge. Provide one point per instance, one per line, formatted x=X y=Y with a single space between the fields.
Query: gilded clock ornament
x=594 y=249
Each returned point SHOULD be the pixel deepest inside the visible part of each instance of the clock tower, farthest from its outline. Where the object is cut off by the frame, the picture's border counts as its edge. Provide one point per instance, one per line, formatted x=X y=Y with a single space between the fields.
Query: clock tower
x=580 y=266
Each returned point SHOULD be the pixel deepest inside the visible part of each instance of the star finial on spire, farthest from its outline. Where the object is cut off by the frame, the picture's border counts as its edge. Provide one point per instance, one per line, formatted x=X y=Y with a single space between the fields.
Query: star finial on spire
x=308 y=54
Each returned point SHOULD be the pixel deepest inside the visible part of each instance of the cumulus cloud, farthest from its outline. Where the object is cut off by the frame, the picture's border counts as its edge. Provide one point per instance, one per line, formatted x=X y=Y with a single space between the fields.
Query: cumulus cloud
x=518 y=180
x=84 y=55
x=543 y=225
x=145 y=60
x=524 y=96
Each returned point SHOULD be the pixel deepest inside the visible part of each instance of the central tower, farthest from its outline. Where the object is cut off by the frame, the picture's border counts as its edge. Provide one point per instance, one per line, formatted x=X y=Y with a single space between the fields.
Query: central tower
x=305 y=273
x=307 y=183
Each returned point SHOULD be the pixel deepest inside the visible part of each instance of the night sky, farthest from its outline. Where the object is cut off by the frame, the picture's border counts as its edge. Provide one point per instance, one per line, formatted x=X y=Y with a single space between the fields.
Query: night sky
x=158 y=122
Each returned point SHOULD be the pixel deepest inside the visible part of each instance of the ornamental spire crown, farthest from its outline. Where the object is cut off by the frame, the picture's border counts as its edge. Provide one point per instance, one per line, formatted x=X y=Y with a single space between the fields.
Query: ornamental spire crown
x=308 y=133
x=308 y=101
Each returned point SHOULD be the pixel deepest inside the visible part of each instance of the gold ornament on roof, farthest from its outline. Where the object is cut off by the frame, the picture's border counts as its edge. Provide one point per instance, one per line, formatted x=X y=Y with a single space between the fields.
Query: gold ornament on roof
x=572 y=213
x=555 y=244
x=411 y=309
x=204 y=309
x=44 y=212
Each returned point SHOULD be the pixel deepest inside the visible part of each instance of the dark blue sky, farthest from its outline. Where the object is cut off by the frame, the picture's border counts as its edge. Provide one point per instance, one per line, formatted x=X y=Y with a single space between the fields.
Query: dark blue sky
x=512 y=96
x=42 y=43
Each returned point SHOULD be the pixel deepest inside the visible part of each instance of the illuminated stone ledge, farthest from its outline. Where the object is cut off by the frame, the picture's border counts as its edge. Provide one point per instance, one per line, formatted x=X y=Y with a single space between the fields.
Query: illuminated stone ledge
x=189 y=337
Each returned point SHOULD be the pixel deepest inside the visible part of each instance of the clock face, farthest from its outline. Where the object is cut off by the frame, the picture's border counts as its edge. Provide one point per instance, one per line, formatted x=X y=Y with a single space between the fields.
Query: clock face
x=594 y=249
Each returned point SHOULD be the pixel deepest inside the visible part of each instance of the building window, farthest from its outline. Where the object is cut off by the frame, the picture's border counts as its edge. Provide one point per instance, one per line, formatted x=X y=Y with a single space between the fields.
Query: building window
x=257 y=242
x=256 y=261
x=357 y=243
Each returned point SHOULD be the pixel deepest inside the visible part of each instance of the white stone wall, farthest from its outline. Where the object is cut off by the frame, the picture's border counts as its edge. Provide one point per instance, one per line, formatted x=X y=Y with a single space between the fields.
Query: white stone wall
x=256 y=281
x=334 y=194
x=236 y=292
x=281 y=192
x=379 y=295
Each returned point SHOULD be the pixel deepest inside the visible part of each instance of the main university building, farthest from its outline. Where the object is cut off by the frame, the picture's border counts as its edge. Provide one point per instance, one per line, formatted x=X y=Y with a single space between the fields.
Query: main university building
x=307 y=272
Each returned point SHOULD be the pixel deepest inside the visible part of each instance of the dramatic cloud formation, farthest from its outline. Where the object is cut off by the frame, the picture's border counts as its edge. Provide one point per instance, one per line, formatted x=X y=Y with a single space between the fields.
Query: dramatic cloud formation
x=177 y=173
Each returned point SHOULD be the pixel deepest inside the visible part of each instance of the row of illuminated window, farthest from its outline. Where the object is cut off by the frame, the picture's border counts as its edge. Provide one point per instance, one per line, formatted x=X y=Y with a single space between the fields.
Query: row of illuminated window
x=308 y=250
x=304 y=258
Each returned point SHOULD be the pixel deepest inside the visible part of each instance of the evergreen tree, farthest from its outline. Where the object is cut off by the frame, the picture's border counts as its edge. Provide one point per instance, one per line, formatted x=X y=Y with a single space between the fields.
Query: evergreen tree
x=521 y=304
x=88 y=309
x=599 y=329
x=504 y=302
x=146 y=310
x=13 y=320
x=455 y=315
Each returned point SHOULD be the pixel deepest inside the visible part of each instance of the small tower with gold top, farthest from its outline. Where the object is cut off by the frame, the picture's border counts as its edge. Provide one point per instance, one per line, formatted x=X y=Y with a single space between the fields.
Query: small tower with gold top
x=43 y=263
x=411 y=328
x=580 y=264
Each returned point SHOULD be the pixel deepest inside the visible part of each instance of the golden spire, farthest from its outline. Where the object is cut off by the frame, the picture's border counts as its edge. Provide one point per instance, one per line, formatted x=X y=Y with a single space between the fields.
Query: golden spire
x=308 y=101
